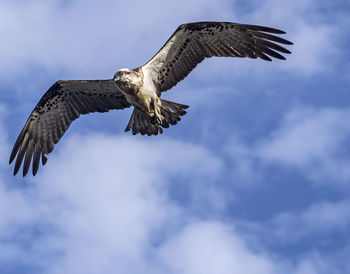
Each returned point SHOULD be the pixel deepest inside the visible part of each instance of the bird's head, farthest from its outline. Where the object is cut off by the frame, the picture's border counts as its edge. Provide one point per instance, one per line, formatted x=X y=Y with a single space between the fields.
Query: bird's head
x=120 y=76
x=124 y=79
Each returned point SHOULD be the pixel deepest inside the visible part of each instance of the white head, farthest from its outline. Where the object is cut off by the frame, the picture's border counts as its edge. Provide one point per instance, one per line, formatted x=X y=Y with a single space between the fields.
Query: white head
x=119 y=76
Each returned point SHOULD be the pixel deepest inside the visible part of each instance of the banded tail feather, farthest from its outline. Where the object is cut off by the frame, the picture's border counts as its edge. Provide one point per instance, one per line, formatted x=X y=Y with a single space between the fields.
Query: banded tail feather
x=142 y=123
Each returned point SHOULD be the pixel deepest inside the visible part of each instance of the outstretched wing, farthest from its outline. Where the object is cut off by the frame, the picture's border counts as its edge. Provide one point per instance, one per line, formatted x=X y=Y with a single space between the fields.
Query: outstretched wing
x=56 y=110
x=193 y=42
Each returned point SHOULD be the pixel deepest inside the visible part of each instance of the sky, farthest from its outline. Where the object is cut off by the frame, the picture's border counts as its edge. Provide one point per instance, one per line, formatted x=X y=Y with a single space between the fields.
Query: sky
x=254 y=179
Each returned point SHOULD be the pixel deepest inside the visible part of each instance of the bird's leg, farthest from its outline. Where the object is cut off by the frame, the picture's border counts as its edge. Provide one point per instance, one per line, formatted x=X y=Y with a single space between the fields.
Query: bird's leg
x=157 y=115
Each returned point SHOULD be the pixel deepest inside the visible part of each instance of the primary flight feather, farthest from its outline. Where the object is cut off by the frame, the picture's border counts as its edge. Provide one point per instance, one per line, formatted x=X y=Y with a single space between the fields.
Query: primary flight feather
x=141 y=87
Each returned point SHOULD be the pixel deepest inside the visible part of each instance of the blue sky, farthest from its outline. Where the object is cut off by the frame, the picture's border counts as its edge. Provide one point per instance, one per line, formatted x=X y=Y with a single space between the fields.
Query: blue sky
x=254 y=179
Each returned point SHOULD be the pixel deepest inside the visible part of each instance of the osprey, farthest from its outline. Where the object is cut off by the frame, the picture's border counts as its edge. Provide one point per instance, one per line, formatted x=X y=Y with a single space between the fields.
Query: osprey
x=141 y=88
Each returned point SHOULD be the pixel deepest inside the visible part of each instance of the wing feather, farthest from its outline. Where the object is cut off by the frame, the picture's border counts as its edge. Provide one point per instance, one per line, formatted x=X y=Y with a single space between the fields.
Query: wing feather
x=64 y=102
x=192 y=43
x=36 y=158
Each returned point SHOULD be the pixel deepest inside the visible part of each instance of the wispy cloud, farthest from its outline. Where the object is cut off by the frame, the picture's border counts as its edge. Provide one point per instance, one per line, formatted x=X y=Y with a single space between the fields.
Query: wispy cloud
x=32 y=36
x=323 y=217
x=211 y=247
x=108 y=202
x=105 y=201
x=313 y=31
x=49 y=34
x=312 y=140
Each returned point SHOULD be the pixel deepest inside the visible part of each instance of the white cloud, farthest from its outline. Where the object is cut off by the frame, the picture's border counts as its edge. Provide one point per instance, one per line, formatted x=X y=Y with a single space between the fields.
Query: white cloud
x=312 y=140
x=321 y=217
x=91 y=38
x=313 y=48
x=211 y=247
x=105 y=199
x=308 y=229
x=101 y=204
x=313 y=34
x=316 y=263
x=316 y=41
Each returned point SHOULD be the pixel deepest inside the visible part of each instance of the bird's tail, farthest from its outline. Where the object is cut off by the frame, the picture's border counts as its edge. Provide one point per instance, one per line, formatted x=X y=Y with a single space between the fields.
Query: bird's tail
x=142 y=123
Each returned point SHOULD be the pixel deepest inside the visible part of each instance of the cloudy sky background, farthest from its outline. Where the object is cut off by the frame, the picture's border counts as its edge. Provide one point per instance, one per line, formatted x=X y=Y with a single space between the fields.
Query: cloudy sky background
x=254 y=179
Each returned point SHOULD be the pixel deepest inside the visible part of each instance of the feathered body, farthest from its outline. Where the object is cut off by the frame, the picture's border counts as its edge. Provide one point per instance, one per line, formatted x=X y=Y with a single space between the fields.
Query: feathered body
x=141 y=87
x=151 y=113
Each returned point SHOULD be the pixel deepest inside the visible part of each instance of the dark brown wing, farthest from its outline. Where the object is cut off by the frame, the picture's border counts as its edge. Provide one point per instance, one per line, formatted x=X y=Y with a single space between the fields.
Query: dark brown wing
x=193 y=42
x=56 y=110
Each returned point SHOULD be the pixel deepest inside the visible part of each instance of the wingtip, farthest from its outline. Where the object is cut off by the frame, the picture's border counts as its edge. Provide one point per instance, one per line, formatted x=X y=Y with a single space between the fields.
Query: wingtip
x=275 y=31
x=13 y=155
x=35 y=170
x=265 y=29
x=15 y=171
x=25 y=172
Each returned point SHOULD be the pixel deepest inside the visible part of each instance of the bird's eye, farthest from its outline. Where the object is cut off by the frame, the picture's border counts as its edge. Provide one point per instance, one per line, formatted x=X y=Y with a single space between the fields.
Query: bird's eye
x=118 y=84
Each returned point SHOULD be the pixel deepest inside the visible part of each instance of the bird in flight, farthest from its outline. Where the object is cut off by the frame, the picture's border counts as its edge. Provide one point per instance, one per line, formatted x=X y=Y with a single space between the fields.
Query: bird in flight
x=141 y=88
